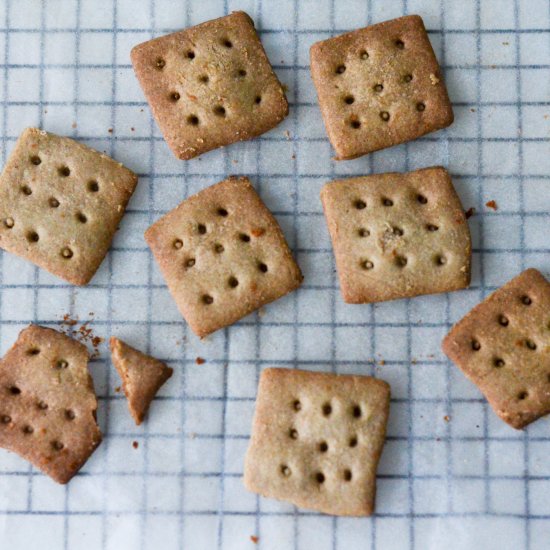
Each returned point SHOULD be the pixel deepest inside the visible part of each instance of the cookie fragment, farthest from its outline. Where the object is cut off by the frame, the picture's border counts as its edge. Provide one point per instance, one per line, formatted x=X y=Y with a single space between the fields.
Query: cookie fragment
x=379 y=86
x=502 y=347
x=397 y=235
x=223 y=255
x=210 y=85
x=316 y=440
x=61 y=203
x=48 y=404
x=142 y=376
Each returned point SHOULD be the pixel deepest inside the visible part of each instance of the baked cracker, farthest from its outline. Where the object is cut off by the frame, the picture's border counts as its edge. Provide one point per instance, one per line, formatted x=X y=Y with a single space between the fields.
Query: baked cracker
x=142 y=376
x=316 y=440
x=210 y=85
x=503 y=347
x=397 y=235
x=61 y=203
x=48 y=405
x=223 y=255
x=379 y=86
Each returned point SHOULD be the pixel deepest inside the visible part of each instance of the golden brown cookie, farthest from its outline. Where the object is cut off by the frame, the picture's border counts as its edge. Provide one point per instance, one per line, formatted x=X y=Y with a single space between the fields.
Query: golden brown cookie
x=210 y=85
x=223 y=255
x=503 y=347
x=48 y=404
x=316 y=440
x=397 y=235
x=61 y=203
x=142 y=376
x=379 y=86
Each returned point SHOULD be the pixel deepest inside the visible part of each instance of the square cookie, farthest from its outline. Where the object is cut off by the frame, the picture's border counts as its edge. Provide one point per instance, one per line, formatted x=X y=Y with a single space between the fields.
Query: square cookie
x=223 y=255
x=379 y=86
x=502 y=347
x=316 y=440
x=48 y=403
x=61 y=203
x=210 y=85
x=397 y=235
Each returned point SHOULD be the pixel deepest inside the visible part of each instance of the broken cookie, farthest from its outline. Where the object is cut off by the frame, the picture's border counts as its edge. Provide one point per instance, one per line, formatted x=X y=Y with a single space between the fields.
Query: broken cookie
x=48 y=405
x=502 y=347
x=317 y=439
x=142 y=376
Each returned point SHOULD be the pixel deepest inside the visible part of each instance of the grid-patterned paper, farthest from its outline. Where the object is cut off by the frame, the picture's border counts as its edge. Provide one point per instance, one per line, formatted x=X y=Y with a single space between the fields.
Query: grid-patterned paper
x=452 y=474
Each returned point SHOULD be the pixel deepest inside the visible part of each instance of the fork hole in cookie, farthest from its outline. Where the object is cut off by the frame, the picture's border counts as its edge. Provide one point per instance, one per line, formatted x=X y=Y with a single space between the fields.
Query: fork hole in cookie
x=67 y=253
x=241 y=73
x=522 y=395
x=207 y=299
x=233 y=282
x=5 y=419
x=385 y=116
x=177 y=244
x=401 y=261
x=387 y=202
x=33 y=237
x=420 y=106
x=327 y=409
x=190 y=54
x=27 y=430
x=498 y=362
x=432 y=228
x=476 y=346
x=42 y=405
x=399 y=44
x=285 y=470
x=219 y=110
x=81 y=217
x=193 y=120
x=201 y=228
x=398 y=231
x=407 y=78
x=503 y=320
x=340 y=69
x=53 y=202
x=160 y=63
x=319 y=477
x=36 y=160
x=14 y=390
x=378 y=87
x=9 y=223
x=349 y=100
x=296 y=405
x=57 y=445
x=363 y=54
x=69 y=414
x=26 y=190
x=359 y=204
x=353 y=441
x=64 y=171
x=33 y=351
x=356 y=411
x=222 y=212
x=190 y=262
x=203 y=78
x=530 y=344
x=323 y=447
x=258 y=100
x=363 y=232
x=227 y=43
x=440 y=260
x=174 y=96
x=355 y=124
x=421 y=199
x=218 y=248
x=526 y=301
x=93 y=186
x=347 y=475
x=244 y=238
x=262 y=267
x=293 y=434
x=61 y=364
x=367 y=264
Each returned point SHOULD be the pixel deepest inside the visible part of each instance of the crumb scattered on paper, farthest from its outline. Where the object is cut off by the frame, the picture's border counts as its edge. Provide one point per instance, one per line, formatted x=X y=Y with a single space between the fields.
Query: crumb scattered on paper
x=135 y=444
x=117 y=389
x=73 y=125
x=200 y=361
x=83 y=333
x=110 y=130
x=491 y=204
x=254 y=539
x=470 y=212
x=446 y=418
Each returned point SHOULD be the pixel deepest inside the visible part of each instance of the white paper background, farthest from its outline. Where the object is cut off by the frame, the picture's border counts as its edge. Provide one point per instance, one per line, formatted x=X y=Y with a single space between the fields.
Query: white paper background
x=468 y=483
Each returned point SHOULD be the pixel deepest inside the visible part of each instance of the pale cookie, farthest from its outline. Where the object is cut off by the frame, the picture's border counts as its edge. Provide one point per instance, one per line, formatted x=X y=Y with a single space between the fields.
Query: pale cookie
x=316 y=440
x=379 y=86
x=223 y=255
x=397 y=235
x=142 y=376
x=503 y=347
x=61 y=203
x=48 y=404
x=210 y=85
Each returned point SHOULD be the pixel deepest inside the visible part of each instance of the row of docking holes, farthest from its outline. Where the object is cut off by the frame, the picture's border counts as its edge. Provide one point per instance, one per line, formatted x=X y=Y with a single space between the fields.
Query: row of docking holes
x=499 y=362
x=401 y=261
x=378 y=87
x=323 y=447
x=190 y=262
x=14 y=391
x=218 y=110
x=32 y=235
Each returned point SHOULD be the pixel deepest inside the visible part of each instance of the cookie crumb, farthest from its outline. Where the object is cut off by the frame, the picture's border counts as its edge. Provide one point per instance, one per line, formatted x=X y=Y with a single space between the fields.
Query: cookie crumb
x=447 y=418
x=200 y=361
x=132 y=129
x=287 y=134
x=382 y=362
x=434 y=79
x=472 y=110
x=470 y=212
x=73 y=125
x=110 y=130
x=254 y=539
x=117 y=389
x=135 y=444
x=492 y=204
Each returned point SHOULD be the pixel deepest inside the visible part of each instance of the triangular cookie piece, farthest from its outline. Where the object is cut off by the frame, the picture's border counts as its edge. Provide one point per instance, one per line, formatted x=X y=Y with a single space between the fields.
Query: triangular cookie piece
x=48 y=403
x=142 y=376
